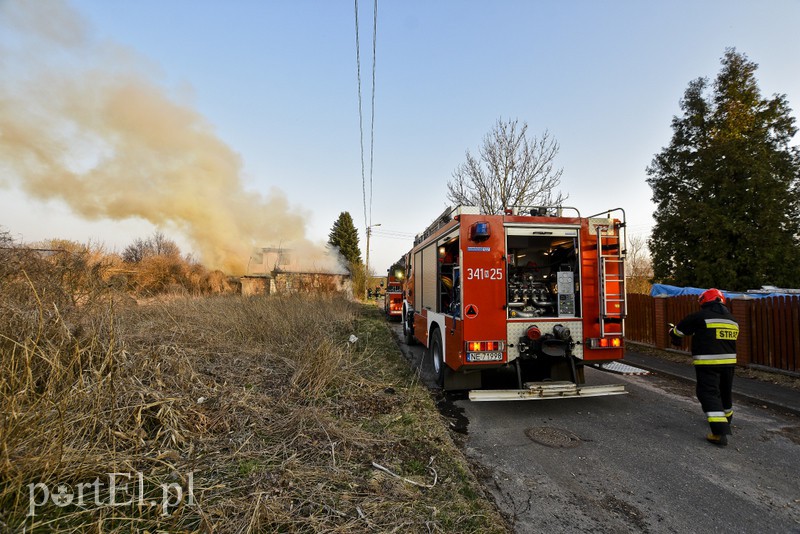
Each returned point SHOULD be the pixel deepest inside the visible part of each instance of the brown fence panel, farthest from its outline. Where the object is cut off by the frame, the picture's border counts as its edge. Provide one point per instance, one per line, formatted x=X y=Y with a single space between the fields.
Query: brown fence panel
x=760 y=345
x=640 y=318
x=779 y=310
x=795 y=334
x=775 y=333
x=761 y=349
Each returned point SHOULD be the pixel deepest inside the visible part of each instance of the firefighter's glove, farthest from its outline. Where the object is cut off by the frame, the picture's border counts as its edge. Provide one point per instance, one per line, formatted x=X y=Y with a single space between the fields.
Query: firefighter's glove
x=673 y=337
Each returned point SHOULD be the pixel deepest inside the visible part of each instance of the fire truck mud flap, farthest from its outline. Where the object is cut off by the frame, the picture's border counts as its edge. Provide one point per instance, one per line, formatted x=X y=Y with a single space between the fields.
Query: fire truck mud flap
x=546 y=390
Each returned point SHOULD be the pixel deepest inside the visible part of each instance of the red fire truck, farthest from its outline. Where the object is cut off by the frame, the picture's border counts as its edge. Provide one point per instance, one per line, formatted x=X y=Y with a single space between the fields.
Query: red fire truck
x=537 y=291
x=393 y=300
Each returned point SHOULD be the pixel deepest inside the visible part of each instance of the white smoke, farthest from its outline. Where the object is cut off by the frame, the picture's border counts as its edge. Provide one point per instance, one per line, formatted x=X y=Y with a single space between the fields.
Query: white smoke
x=87 y=123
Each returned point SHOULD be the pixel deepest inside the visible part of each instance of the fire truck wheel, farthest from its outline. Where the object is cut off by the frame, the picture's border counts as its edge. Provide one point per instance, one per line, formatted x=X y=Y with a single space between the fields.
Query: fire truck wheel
x=407 y=335
x=437 y=357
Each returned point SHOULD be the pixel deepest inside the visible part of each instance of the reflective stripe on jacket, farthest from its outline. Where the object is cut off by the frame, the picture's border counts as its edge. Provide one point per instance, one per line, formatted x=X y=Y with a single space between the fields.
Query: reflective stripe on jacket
x=714 y=359
x=714 y=332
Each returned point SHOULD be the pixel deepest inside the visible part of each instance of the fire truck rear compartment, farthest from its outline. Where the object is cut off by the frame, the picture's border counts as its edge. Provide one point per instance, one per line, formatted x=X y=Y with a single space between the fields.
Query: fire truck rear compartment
x=480 y=281
x=543 y=283
x=542 y=267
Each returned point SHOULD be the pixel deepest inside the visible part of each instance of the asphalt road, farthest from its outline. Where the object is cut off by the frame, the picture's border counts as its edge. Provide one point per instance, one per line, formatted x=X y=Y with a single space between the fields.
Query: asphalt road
x=630 y=463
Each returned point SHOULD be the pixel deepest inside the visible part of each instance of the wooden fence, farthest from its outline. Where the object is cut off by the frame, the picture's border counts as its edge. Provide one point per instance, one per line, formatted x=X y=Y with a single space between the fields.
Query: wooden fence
x=769 y=328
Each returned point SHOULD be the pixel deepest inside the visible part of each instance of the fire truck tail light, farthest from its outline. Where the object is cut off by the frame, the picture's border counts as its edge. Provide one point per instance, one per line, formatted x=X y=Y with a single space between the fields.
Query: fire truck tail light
x=533 y=333
x=604 y=342
x=484 y=351
x=484 y=346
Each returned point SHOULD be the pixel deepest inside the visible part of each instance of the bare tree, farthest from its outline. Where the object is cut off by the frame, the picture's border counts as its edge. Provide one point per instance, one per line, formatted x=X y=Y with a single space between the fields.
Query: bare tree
x=511 y=170
x=136 y=251
x=638 y=266
x=162 y=246
x=156 y=245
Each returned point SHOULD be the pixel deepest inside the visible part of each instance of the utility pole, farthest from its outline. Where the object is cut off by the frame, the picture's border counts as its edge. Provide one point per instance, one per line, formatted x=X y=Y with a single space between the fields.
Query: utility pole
x=366 y=275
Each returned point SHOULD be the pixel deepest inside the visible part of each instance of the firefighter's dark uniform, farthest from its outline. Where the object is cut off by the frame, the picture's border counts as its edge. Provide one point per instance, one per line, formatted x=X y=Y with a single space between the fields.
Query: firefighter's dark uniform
x=714 y=332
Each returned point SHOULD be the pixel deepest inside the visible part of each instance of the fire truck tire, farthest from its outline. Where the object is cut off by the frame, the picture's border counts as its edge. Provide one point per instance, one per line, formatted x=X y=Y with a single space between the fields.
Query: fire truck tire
x=408 y=335
x=436 y=355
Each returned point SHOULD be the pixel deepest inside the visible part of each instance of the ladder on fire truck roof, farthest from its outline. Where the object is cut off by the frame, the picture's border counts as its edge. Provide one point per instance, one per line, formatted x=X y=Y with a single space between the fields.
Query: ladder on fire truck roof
x=440 y=221
x=611 y=240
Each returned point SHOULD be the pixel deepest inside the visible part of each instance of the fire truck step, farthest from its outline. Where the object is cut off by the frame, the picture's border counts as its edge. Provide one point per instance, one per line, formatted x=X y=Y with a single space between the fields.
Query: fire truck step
x=546 y=390
x=621 y=369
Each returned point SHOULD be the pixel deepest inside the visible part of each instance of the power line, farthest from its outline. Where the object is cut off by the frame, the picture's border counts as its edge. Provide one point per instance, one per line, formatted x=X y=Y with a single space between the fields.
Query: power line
x=372 y=111
x=361 y=122
x=389 y=234
x=386 y=231
x=367 y=205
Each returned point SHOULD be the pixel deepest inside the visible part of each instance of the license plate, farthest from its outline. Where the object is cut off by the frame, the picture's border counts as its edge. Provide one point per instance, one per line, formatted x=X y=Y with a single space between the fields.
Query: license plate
x=484 y=356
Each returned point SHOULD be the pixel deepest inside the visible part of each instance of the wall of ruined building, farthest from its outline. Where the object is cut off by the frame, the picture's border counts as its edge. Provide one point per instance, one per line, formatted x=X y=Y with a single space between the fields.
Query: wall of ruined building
x=312 y=283
x=271 y=259
x=255 y=286
x=283 y=283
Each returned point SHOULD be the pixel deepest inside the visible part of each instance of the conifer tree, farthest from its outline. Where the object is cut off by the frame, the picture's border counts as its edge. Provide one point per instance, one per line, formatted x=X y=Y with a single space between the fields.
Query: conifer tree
x=727 y=187
x=344 y=236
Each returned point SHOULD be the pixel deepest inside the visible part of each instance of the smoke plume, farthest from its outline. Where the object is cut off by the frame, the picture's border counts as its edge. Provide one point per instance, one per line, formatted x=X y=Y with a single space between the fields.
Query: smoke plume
x=87 y=123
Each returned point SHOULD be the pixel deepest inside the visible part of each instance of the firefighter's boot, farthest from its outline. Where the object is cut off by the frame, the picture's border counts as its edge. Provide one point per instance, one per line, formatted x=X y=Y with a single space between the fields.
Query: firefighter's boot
x=729 y=417
x=719 y=440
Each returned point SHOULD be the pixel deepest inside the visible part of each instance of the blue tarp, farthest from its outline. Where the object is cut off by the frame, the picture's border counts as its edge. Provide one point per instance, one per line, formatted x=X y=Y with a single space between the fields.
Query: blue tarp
x=664 y=290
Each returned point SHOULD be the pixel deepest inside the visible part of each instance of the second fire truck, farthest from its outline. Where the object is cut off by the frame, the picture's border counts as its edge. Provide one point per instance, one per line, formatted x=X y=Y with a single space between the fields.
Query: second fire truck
x=537 y=291
x=393 y=300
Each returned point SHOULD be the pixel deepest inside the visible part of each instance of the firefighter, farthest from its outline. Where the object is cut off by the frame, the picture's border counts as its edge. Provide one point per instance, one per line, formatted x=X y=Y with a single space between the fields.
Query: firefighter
x=714 y=332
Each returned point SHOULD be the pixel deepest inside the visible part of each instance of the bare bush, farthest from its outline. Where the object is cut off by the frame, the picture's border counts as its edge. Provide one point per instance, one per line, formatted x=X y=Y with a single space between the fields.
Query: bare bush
x=154 y=266
x=215 y=282
x=156 y=245
x=358 y=275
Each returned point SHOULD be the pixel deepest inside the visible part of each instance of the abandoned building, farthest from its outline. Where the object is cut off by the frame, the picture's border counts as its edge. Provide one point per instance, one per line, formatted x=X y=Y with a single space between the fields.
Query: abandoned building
x=278 y=271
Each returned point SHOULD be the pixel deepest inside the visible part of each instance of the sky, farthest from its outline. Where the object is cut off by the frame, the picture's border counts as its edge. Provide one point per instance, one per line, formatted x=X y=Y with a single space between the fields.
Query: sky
x=232 y=124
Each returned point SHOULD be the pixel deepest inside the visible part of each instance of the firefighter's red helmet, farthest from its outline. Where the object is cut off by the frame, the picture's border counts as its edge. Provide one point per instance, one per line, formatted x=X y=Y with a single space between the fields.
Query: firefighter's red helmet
x=710 y=295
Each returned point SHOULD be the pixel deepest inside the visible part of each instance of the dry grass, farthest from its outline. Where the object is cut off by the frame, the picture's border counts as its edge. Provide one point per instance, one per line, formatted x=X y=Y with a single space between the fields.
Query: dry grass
x=261 y=407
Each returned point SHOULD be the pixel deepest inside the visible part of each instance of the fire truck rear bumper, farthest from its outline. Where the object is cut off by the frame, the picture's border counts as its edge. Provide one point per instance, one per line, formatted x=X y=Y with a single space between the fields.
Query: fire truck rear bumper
x=546 y=390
